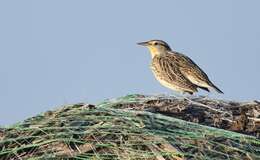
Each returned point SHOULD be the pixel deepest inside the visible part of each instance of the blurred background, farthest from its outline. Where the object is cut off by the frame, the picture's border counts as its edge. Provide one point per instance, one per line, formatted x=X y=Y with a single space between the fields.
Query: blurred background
x=57 y=52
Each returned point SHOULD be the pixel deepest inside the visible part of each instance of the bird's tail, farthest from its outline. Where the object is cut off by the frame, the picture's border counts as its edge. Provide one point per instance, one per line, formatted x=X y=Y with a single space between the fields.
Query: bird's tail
x=216 y=88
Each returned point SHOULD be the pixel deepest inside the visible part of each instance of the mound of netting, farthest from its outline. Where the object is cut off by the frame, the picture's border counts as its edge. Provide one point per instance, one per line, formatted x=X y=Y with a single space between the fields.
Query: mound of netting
x=104 y=131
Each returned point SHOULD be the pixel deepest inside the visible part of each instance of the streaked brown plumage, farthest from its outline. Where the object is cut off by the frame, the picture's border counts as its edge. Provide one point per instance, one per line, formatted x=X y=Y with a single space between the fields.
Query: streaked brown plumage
x=175 y=70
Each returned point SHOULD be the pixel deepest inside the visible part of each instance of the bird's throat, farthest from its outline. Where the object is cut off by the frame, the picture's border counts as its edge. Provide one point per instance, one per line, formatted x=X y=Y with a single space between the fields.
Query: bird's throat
x=154 y=51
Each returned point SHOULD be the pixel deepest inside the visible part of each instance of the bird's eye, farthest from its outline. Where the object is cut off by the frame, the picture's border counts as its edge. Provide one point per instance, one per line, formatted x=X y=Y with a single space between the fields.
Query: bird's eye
x=155 y=43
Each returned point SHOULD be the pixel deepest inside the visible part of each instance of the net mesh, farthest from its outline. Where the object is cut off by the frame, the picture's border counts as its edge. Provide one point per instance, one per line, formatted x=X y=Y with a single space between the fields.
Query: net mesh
x=84 y=131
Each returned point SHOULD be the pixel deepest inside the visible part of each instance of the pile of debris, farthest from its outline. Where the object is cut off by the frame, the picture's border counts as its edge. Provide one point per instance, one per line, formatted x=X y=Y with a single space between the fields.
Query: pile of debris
x=138 y=127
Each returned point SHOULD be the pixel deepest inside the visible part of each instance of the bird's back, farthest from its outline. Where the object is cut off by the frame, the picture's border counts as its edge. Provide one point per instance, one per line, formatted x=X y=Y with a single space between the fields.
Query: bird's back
x=192 y=71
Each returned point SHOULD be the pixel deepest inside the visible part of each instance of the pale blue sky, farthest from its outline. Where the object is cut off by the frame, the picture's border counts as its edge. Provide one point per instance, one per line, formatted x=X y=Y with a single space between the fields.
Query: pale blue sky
x=55 y=52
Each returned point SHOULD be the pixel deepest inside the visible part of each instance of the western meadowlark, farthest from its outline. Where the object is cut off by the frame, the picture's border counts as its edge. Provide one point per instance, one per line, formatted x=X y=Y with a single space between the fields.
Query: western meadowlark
x=175 y=70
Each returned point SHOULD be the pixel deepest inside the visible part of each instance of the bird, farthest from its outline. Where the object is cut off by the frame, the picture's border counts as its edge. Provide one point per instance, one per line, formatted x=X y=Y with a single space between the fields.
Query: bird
x=175 y=70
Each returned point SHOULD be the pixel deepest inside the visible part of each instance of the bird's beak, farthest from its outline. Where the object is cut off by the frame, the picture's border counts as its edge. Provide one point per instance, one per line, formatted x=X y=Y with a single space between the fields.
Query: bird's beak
x=143 y=43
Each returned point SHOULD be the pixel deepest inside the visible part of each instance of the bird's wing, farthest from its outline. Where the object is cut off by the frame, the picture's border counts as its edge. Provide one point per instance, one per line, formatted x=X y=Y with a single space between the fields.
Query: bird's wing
x=169 y=71
x=192 y=71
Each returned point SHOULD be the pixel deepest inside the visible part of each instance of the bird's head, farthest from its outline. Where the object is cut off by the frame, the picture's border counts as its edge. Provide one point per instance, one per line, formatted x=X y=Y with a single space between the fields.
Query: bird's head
x=156 y=47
